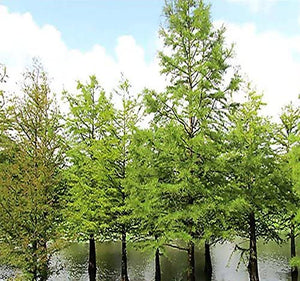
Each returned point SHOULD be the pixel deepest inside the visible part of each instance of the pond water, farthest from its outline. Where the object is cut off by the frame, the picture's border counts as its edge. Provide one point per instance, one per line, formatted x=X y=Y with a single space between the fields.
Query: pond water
x=72 y=264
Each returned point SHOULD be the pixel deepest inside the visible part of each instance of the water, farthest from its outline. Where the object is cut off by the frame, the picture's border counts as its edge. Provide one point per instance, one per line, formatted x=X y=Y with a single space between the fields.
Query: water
x=72 y=264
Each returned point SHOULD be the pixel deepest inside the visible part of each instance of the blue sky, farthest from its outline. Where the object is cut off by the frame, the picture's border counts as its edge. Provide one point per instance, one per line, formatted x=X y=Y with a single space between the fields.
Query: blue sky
x=75 y=38
x=84 y=23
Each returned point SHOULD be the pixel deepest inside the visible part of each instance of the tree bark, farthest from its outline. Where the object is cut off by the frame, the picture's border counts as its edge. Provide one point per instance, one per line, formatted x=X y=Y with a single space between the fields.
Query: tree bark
x=252 y=266
x=191 y=262
x=294 y=269
x=157 y=266
x=92 y=259
x=44 y=266
x=208 y=264
x=124 y=274
x=35 y=266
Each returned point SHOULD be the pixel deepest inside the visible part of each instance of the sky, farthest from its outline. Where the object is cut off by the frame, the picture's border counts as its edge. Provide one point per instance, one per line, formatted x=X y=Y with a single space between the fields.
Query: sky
x=77 y=38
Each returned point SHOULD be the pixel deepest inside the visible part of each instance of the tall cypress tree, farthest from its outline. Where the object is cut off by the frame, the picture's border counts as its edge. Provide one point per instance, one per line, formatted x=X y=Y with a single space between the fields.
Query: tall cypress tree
x=287 y=139
x=195 y=62
x=90 y=124
x=99 y=155
x=151 y=173
x=30 y=177
x=125 y=124
x=257 y=195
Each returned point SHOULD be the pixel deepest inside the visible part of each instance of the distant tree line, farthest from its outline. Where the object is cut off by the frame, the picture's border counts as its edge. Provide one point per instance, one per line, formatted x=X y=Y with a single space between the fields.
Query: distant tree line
x=204 y=169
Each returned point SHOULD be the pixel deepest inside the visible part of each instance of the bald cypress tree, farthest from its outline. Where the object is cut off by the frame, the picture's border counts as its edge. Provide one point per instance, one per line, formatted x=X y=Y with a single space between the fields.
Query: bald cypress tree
x=125 y=123
x=89 y=124
x=287 y=140
x=30 y=177
x=195 y=61
x=258 y=194
x=99 y=155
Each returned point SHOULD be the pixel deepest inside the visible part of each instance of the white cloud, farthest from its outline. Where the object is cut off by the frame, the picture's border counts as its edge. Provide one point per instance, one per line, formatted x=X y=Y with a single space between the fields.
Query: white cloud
x=256 y=5
x=22 y=39
x=270 y=60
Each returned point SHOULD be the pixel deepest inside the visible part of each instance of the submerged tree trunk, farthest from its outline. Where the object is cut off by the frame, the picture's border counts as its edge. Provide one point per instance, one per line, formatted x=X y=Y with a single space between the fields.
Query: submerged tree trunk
x=294 y=269
x=92 y=259
x=124 y=274
x=191 y=262
x=252 y=266
x=157 y=266
x=208 y=264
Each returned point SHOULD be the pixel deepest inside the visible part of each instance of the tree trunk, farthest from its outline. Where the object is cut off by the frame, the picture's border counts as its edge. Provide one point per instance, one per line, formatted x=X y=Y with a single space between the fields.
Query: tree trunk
x=157 y=266
x=208 y=264
x=294 y=269
x=92 y=259
x=124 y=274
x=35 y=261
x=44 y=271
x=252 y=266
x=191 y=262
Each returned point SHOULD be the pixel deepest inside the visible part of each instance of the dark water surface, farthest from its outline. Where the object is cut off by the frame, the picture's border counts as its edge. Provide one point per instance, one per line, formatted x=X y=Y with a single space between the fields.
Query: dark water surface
x=72 y=262
x=273 y=264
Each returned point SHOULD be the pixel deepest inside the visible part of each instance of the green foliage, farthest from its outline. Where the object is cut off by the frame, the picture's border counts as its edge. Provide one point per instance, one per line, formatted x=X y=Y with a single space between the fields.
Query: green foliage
x=99 y=142
x=196 y=63
x=289 y=127
x=295 y=162
x=254 y=183
x=197 y=173
x=291 y=121
x=89 y=124
x=295 y=262
x=149 y=176
x=177 y=167
x=288 y=143
x=288 y=140
x=30 y=177
x=125 y=125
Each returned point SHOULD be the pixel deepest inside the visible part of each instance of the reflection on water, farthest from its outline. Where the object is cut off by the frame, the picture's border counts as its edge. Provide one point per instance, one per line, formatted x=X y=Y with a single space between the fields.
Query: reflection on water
x=72 y=264
x=273 y=264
